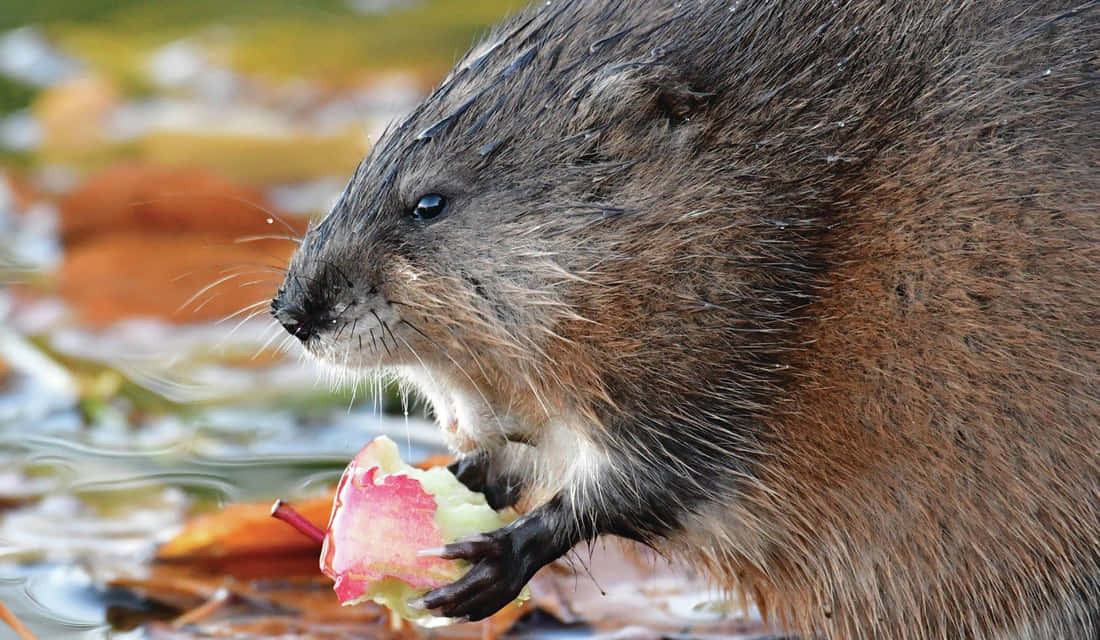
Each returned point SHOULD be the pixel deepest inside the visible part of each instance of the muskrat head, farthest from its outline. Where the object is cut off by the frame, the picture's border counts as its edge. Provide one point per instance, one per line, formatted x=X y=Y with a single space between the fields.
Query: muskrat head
x=434 y=266
x=525 y=245
x=422 y=271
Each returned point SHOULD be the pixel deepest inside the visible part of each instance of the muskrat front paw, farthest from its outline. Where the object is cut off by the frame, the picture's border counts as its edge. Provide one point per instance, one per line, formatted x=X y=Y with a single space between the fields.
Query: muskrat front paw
x=495 y=579
x=477 y=472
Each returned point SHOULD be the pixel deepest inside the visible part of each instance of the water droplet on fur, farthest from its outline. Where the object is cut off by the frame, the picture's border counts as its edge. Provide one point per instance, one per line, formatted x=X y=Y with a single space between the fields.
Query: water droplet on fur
x=270 y=220
x=831 y=158
x=1047 y=72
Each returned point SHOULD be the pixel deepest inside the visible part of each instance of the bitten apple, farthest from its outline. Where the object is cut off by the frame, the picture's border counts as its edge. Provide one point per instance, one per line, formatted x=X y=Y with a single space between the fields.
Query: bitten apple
x=384 y=512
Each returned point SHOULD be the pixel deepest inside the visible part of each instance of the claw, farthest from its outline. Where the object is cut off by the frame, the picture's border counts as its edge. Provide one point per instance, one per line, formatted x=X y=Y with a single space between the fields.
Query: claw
x=471 y=548
x=501 y=561
x=456 y=598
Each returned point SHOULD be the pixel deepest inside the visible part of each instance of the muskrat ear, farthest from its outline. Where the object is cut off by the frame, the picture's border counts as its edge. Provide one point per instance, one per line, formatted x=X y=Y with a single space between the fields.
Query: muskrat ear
x=636 y=93
x=677 y=102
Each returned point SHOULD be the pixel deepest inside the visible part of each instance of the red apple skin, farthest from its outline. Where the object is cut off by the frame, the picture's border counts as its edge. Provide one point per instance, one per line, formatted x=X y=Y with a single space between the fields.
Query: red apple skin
x=375 y=531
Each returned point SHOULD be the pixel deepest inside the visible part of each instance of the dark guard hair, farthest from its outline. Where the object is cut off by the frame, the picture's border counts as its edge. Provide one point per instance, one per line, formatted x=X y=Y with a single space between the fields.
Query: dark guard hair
x=802 y=291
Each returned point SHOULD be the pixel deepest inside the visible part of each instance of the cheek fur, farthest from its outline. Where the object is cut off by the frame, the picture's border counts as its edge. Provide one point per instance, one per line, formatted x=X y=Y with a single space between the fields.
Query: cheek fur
x=467 y=420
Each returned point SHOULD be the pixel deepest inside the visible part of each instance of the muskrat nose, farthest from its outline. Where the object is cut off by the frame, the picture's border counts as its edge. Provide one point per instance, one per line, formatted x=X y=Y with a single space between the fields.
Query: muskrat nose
x=297 y=323
x=300 y=329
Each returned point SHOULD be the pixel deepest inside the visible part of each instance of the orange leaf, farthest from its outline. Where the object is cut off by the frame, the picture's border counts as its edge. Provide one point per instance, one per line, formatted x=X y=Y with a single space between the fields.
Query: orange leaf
x=245 y=529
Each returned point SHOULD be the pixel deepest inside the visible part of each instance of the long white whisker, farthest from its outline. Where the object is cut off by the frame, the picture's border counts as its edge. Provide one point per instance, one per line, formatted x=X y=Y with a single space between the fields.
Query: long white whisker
x=242 y=310
x=208 y=287
x=267 y=343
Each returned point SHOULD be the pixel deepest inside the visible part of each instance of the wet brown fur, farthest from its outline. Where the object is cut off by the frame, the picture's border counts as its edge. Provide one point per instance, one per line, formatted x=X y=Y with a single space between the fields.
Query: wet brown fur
x=832 y=269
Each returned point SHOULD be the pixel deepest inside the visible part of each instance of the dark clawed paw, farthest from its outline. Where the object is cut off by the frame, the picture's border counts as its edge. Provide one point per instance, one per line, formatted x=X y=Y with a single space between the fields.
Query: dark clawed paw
x=472 y=471
x=495 y=578
x=477 y=473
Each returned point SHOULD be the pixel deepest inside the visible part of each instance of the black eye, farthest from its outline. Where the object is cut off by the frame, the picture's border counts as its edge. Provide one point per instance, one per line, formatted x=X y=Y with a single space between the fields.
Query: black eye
x=430 y=206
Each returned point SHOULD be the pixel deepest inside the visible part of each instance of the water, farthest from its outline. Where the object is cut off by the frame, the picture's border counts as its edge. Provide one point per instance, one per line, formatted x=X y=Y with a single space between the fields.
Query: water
x=90 y=485
x=89 y=503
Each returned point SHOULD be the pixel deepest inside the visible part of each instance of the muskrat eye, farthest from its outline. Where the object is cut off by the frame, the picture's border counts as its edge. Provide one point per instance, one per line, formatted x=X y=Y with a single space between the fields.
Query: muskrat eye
x=430 y=206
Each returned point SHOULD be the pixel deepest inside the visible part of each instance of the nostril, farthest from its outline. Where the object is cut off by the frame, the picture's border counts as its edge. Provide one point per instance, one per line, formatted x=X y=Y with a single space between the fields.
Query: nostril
x=300 y=330
x=296 y=326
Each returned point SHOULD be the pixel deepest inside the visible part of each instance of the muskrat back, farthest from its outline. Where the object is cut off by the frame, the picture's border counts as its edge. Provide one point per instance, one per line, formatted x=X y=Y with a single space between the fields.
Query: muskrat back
x=804 y=292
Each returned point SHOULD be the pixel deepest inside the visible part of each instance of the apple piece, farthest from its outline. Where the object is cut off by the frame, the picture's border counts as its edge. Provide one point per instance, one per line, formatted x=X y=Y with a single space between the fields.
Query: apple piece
x=385 y=511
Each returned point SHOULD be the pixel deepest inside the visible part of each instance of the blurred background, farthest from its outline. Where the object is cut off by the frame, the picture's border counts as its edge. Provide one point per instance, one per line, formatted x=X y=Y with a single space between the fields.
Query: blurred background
x=156 y=158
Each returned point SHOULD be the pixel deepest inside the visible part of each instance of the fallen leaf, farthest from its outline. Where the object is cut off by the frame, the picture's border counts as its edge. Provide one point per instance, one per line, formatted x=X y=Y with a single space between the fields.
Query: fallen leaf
x=275 y=595
x=245 y=530
x=271 y=573
x=120 y=275
x=181 y=245
x=128 y=197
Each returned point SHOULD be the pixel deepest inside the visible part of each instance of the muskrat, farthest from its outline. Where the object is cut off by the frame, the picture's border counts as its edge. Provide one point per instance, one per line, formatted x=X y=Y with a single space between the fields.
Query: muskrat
x=805 y=292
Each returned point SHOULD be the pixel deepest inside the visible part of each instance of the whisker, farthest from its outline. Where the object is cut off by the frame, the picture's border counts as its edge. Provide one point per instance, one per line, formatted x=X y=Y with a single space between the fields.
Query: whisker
x=266 y=268
x=384 y=327
x=427 y=371
x=355 y=386
x=242 y=310
x=268 y=342
x=252 y=283
x=271 y=324
x=347 y=356
x=240 y=324
x=275 y=236
x=167 y=196
x=205 y=289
